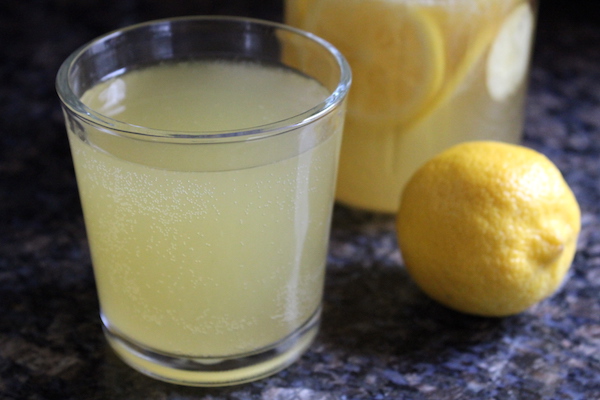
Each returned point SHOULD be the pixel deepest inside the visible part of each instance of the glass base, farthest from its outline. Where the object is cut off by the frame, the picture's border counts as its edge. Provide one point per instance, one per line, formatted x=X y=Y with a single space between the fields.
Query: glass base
x=211 y=371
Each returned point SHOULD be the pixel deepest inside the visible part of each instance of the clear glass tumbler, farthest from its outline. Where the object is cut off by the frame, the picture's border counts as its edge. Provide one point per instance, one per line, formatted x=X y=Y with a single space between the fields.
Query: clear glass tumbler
x=206 y=153
x=427 y=75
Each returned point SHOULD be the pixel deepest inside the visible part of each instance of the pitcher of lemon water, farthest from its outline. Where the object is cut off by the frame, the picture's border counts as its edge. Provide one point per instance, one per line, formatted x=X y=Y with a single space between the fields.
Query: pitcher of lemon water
x=427 y=74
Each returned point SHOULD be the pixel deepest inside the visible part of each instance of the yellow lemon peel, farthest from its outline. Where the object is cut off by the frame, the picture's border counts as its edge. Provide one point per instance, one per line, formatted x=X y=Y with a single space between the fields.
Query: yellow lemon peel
x=488 y=228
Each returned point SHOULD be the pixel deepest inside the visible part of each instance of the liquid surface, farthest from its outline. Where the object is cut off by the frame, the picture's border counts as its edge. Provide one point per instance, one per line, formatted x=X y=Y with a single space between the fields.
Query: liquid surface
x=207 y=262
x=205 y=96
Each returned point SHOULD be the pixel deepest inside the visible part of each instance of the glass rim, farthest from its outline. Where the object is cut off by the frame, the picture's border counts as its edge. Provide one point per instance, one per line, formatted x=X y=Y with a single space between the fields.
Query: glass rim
x=73 y=103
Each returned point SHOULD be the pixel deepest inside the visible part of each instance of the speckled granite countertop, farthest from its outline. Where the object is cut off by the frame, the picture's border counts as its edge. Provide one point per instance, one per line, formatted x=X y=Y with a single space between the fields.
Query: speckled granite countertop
x=381 y=338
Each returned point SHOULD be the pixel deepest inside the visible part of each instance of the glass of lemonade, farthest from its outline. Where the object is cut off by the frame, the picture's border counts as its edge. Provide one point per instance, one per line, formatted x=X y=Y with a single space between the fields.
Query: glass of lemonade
x=428 y=74
x=206 y=153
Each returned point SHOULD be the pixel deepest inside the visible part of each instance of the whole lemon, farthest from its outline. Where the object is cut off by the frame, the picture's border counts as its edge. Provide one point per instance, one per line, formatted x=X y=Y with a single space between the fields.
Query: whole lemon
x=488 y=228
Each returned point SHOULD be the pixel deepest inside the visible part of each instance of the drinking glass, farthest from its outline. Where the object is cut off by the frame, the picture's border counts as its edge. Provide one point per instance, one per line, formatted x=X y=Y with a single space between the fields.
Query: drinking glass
x=206 y=153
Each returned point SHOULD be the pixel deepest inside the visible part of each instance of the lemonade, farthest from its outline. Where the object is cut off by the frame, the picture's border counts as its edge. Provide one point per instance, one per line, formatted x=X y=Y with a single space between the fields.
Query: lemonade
x=427 y=75
x=215 y=250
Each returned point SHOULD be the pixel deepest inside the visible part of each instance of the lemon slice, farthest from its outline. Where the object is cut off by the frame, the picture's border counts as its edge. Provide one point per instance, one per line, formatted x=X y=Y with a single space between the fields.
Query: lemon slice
x=509 y=55
x=295 y=11
x=473 y=57
x=396 y=53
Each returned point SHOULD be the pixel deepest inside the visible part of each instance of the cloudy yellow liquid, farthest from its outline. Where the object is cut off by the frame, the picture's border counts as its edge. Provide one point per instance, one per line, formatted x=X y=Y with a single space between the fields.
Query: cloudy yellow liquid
x=424 y=78
x=201 y=250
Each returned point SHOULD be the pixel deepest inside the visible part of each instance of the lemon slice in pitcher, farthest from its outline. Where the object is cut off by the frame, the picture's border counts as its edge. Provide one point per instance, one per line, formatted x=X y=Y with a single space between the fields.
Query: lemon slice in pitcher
x=374 y=36
x=295 y=11
x=509 y=55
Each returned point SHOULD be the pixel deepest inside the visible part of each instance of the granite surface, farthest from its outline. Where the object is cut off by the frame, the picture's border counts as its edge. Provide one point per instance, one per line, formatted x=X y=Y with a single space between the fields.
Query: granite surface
x=381 y=338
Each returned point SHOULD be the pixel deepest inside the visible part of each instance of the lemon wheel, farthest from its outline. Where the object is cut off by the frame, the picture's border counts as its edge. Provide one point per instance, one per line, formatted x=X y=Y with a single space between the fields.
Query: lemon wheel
x=296 y=11
x=396 y=53
x=509 y=56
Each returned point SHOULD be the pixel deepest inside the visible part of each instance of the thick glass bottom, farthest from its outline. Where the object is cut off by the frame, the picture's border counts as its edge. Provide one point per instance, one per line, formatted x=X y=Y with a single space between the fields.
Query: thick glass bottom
x=197 y=371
